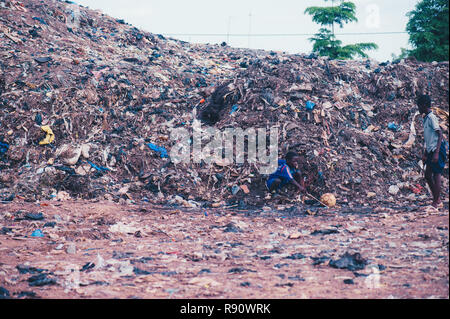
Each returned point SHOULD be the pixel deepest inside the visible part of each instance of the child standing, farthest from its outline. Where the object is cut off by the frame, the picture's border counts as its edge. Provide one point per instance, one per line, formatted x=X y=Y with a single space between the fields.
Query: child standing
x=435 y=153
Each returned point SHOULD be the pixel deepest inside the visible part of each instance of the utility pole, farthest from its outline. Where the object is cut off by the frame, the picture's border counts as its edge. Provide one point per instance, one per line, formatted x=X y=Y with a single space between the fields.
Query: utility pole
x=332 y=23
x=249 y=27
x=228 y=30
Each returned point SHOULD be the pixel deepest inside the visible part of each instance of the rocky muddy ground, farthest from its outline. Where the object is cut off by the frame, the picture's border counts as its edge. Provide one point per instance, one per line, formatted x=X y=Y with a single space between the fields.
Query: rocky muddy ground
x=101 y=249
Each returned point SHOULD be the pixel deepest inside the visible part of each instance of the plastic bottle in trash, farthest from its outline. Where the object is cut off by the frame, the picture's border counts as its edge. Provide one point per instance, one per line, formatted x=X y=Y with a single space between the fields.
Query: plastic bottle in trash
x=394 y=127
x=310 y=105
x=37 y=233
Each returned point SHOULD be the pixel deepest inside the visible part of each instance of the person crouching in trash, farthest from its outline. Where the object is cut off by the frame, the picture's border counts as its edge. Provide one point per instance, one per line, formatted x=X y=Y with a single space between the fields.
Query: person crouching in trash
x=286 y=173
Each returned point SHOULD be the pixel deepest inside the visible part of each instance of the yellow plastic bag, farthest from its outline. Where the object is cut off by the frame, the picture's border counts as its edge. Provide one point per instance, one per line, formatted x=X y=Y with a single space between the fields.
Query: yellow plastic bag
x=50 y=136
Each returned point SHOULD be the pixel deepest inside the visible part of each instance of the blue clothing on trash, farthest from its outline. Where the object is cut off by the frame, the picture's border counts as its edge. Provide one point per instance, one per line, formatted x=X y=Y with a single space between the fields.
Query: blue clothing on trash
x=283 y=172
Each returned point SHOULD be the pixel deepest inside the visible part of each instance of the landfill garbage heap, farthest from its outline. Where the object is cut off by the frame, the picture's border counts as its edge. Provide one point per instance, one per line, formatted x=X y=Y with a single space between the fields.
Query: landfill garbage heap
x=88 y=104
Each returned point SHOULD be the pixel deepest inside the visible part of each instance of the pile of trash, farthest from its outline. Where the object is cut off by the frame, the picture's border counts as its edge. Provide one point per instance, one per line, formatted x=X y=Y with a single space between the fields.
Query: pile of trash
x=88 y=104
x=356 y=123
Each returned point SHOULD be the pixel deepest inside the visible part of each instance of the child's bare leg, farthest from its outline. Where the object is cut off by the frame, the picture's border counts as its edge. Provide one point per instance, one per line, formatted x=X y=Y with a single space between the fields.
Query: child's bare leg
x=437 y=189
x=275 y=184
x=430 y=181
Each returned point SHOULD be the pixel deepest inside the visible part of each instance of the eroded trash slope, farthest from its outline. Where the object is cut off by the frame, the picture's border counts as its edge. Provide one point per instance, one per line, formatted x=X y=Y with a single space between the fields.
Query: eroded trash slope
x=89 y=103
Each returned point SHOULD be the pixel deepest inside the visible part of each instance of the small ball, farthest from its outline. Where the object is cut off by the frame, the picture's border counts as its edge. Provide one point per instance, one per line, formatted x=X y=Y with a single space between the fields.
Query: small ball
x=328 y=199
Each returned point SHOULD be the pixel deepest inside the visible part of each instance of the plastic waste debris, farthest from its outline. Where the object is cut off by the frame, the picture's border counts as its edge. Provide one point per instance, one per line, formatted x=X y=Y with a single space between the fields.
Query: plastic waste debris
x=4 y=293
x=349 y=261
x=234 y=108
x=393 y=189
x=87 y=266
x=43 y=60
x=37 y=233
x=98 y=168
x=38 y=119
x=50 y=136
x=310 y=105
x=32 y=216
x=40 y=20
x=40 y=280
x=235 y=189
x=245 y=189
x=3 y=148
x=394 y=127
x=158 y=149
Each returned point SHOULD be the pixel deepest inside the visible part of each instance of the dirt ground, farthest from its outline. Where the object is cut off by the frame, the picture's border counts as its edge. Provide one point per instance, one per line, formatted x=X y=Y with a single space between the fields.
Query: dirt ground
x=107 y=250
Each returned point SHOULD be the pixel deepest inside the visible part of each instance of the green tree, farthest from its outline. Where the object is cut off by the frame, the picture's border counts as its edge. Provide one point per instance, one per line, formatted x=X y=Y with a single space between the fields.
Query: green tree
x=428 y=30
x=404 y=53
x=325 y=41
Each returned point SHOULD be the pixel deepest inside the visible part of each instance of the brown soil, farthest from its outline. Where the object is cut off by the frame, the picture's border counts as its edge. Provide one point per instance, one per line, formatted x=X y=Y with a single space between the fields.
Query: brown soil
x=162 y=252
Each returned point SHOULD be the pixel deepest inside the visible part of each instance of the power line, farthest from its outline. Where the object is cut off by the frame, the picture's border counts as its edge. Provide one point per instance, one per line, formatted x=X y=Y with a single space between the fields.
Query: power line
x=277 y=34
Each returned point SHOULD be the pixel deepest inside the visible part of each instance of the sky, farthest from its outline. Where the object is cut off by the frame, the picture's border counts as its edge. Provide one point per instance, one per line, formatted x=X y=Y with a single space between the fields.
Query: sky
x=278 y=25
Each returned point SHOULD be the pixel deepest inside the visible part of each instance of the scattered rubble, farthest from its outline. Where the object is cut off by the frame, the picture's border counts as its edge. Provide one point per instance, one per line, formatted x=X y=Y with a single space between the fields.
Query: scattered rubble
x=349 y=261
x=185 y=254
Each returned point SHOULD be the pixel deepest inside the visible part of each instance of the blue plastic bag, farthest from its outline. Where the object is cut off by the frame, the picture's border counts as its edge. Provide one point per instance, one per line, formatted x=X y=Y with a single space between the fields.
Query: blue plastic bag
x=37 y=233
x=394 y=127
x=98 y=168
x=40 y=20
x=156 y=148
x=3 y=148
x=310 y=105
